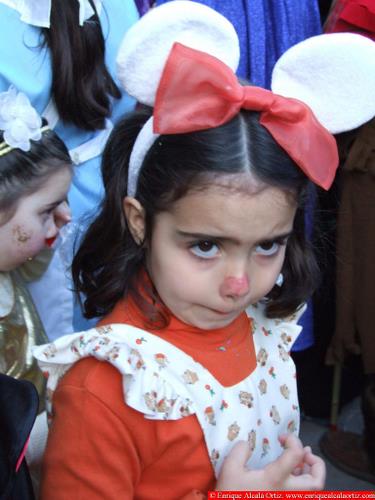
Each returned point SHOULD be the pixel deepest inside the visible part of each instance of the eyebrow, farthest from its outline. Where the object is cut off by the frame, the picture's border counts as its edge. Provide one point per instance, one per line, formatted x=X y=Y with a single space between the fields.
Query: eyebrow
x=203 y=236
x=54 y=204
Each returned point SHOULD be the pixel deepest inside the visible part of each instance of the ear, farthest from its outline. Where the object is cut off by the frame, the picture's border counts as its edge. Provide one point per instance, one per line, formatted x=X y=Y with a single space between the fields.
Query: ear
x=135 y=217
x=332 y=73
x=146 y=46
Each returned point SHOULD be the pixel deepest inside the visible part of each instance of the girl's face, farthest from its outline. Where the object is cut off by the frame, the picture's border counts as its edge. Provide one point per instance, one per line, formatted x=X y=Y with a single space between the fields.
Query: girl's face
x=219 y=250
x=38 y=217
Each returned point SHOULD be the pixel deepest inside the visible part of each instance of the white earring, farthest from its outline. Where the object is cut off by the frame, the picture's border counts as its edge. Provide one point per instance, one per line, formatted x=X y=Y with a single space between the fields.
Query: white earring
x=280 y=280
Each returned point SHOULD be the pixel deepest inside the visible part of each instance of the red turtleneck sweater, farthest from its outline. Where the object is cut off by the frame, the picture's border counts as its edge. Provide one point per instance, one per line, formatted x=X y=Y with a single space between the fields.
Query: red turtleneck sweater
x=100 y=448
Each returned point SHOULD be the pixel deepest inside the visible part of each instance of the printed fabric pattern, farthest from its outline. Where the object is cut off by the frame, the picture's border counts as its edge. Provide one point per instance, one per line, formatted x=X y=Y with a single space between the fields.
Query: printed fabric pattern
x=164 y=383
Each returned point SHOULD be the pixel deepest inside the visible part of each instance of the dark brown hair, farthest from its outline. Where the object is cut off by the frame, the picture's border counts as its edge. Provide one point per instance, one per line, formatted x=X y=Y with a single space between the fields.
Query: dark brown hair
x=82 y=87
x=23 y=172
x=108 y=262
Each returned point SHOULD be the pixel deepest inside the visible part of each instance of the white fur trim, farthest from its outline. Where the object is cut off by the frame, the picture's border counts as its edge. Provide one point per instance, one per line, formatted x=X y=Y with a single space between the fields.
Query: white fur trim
x=334 y=74
x=146 y=46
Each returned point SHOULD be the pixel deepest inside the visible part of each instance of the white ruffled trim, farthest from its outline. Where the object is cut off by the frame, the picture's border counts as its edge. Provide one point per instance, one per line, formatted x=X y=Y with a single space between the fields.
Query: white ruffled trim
x=146 y=389
x=117 y=344
x=286 y=329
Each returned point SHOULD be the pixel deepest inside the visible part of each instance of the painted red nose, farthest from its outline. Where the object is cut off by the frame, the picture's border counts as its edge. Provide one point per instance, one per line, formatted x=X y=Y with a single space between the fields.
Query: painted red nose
x=235 y=287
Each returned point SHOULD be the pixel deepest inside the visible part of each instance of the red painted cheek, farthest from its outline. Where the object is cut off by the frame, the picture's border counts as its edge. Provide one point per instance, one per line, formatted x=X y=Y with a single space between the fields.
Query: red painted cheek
x=235 y=286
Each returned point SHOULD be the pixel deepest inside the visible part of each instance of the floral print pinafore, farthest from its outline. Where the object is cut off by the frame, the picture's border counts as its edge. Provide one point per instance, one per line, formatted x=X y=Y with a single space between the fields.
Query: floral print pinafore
x=164 y=383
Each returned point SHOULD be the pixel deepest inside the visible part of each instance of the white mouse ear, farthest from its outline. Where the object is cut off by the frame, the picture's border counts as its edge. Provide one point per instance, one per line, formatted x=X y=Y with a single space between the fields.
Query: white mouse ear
x=334 y=74
x=146 y=46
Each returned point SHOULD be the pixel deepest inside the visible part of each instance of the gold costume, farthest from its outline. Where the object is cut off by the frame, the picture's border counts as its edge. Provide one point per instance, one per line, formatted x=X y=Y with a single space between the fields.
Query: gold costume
x=20 y=326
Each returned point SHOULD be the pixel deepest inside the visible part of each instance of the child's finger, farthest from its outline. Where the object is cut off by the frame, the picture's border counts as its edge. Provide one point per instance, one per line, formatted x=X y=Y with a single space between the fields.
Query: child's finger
x=298 y=471
x=233 y=473
x=314 y=478
x=289 y=440
x=290 y=459
x=238 y=456
x=304 y=467
x=317 y=465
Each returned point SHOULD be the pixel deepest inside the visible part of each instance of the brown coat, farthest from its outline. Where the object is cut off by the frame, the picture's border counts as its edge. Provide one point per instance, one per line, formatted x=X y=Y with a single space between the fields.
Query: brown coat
x=355 y=249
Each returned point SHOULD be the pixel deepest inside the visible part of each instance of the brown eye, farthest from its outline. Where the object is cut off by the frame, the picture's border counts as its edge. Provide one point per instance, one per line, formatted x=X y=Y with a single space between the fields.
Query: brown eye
x=205 y=246
x=268 y=248
x=205 y=249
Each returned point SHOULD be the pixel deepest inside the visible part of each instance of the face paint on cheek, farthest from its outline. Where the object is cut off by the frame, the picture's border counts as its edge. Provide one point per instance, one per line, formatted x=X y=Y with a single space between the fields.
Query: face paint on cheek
x=20 y=235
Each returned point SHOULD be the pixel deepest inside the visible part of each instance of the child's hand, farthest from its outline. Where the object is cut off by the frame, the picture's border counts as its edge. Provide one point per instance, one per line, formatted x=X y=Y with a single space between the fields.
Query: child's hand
x=311 y=470
x=296 y=469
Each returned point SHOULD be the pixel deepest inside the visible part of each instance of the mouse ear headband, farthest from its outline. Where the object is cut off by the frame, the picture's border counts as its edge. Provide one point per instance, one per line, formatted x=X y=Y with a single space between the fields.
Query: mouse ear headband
x=159 y=64
x=334 y=74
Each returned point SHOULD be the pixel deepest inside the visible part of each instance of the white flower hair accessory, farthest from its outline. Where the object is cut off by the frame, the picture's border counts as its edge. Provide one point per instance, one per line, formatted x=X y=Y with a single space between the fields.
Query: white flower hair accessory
x=19 y=121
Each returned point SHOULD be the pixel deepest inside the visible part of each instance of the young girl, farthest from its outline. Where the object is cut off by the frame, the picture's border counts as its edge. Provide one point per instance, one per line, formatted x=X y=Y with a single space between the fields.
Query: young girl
x=187 y=384
x=80 y=104
x=35 y=175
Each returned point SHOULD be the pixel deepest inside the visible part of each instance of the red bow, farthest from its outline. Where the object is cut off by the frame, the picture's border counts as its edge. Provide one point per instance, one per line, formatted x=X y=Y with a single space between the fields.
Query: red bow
x=197 y=91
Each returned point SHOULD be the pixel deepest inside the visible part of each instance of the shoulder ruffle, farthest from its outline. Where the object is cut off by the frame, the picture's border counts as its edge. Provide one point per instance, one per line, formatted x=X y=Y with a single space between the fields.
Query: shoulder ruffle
x=138 y=355
x=282 y=331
